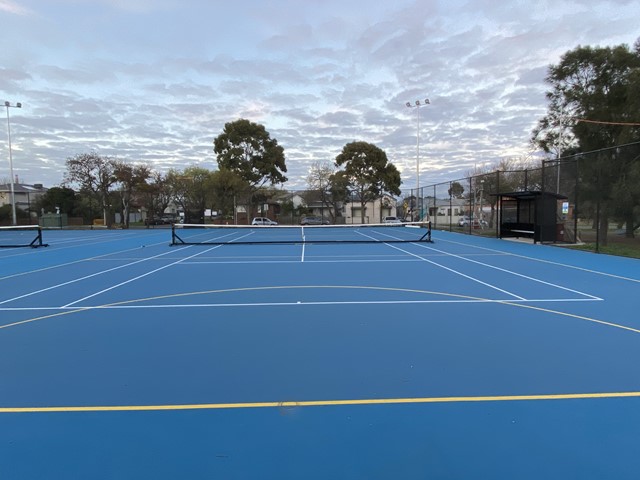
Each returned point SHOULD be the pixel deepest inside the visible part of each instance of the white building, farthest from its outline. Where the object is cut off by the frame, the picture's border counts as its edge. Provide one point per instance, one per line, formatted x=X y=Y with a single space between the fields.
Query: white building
x=374 y=211
x=25 y=195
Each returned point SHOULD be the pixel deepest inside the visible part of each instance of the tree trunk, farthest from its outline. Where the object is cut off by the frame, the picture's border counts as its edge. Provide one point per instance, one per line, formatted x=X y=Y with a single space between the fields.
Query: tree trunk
x=630 y=227
x=604 y=229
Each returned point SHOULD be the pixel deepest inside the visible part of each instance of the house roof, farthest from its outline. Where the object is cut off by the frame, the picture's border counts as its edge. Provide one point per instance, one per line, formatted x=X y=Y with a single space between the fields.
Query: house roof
x=22 y=188
x=529 y=195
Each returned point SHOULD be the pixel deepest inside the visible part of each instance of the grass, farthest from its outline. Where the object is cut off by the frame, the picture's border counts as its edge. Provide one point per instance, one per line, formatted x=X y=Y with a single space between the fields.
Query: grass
x=621 y=250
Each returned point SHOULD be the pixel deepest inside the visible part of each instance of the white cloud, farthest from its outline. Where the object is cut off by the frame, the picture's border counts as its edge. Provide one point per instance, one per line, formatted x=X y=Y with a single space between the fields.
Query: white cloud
x=156 y=81
x=12 y=7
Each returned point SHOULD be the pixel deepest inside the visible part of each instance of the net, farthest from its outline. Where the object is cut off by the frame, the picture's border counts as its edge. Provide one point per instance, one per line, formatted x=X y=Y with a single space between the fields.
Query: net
x=198 y=234
x=21 y=236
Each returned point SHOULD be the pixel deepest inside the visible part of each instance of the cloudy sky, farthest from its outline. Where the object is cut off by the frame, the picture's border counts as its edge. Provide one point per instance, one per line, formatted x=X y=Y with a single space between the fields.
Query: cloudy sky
x=155 y=80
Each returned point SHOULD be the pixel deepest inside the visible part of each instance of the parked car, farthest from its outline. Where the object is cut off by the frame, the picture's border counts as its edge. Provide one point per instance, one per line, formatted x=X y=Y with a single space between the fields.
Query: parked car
x=391 y=220
x=163 y=220
x=477 y=223
x=263 y=221
x=464 y=221
x=313 y=220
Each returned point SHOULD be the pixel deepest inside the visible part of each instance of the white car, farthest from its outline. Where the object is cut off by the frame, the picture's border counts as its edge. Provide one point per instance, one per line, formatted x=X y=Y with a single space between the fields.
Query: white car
x=263 y=221
x=391 y=220
x=477 y=223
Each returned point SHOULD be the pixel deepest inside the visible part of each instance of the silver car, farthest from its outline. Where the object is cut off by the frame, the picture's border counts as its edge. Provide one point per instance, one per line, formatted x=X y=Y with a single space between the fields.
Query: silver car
x=263 y=221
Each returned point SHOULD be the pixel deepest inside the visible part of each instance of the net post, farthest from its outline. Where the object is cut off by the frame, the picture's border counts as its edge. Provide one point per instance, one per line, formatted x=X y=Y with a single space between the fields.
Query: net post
x=5 y=237
x=427 y=236
x=174 y=236
x=37 y=242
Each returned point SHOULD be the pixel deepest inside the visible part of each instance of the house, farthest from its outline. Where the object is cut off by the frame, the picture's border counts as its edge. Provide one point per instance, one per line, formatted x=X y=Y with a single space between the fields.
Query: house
x=445 y=211
x=374 y=211
x=26 y=196
x=314 y=204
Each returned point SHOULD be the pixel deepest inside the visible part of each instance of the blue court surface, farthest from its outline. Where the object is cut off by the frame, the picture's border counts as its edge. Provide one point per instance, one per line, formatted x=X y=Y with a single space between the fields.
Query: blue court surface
x=122 y=357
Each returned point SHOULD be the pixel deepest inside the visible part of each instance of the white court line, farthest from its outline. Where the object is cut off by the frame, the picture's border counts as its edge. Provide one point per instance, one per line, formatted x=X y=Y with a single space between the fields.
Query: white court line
x=306 y=260
x=597 y=272
x=450 y=269
x=511 y=272
x=293 y=304
x=76 y=261
x=135 y=278
x=331 y=303
x=144 y=274
x=80 y=279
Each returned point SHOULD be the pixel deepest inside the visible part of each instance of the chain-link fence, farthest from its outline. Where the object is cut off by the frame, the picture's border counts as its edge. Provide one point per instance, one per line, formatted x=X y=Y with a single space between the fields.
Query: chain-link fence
x=595 y=199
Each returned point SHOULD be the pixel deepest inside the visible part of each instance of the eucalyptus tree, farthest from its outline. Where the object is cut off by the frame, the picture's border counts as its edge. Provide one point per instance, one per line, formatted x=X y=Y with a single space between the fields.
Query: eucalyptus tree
x=130 y=181
x=247 y=149
x=227 y=190
x=368 y=172
x=94 y=175
x=190 y=190
x=593 y=99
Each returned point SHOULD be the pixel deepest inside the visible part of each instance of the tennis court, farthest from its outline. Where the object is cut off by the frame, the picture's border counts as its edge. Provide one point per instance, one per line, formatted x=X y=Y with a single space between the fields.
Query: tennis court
x=124 y=357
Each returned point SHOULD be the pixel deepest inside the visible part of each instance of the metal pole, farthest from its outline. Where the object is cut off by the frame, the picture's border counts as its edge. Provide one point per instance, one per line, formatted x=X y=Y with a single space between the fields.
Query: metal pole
x=13 y=193
x=418 y=153
x=417 y=106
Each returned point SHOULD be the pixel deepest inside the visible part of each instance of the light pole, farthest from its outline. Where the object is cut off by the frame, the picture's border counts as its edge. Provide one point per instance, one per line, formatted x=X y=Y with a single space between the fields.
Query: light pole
x=13 y=193
x=417 y=106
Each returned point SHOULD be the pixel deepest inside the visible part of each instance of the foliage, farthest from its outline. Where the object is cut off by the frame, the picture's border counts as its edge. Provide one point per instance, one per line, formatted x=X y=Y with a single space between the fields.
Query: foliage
x=368 y=172
x=338 y=190
x=93 y=174
x=6 y=213
x=456 y=190
x=64 y=198
x=328 y=187
x=247 y=149
x=227 y=188
x=189 y=189
x=595 y=95
x=130 y=179
x=154 y=194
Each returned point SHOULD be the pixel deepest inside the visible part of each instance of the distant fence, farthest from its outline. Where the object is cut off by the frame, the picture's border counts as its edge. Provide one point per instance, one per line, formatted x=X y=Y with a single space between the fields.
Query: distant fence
x=601 y=204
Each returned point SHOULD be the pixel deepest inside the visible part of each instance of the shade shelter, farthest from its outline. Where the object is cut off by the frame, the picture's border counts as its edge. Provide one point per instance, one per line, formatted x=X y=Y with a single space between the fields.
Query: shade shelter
x=530 y=214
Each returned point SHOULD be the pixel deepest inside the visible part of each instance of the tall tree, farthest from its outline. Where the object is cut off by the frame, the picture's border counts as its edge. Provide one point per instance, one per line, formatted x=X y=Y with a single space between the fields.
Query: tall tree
x=456 y=190
x=58 y=198
x=155 y=194
x=338 y=191
x=94 y=174
x=327 y=188
x=227 y=188
x=368 y=172
x=594 y=96
x=247 y=149
x=190 y=190
x=130 y=180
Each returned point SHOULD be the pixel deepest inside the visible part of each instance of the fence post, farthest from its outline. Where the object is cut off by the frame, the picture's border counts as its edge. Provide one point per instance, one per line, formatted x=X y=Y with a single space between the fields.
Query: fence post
x=450 y=206
x=599 y=189
x=575 y=203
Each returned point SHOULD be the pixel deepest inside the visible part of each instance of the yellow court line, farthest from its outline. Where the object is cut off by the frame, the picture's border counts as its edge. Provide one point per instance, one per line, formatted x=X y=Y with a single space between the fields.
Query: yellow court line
x=45 y=317
x=321 y=403
x=571 y=315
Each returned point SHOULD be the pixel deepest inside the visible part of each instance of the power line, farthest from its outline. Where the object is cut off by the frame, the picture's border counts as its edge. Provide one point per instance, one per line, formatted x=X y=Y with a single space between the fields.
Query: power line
x=629 y=124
